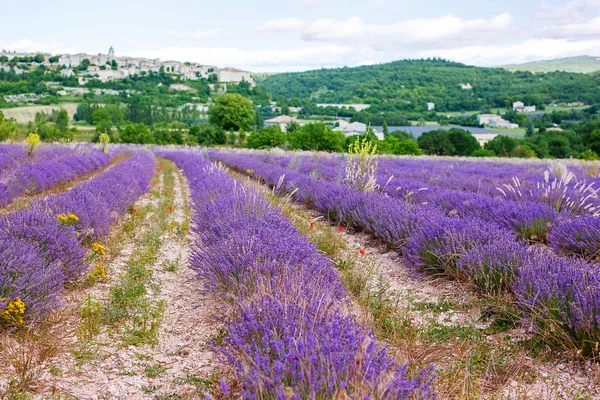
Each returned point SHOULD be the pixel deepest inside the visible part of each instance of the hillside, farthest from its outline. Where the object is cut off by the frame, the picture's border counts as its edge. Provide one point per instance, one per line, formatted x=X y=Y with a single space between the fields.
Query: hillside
x=582 y=64
x=409 y=84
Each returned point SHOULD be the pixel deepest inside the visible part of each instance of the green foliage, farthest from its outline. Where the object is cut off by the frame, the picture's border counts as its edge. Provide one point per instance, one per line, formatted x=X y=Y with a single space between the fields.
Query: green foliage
x=464 y=142
x=409 y=84
x=588 y=155
x=8 y=129
x=483 y=153
x=103 y=121
x=136 y=133
x=207 y=134
x=502 y=145
x=232 y=112
x=393 y=145
x=436 y=142
x=317 y=136
x=62 y=121
x=271 y=136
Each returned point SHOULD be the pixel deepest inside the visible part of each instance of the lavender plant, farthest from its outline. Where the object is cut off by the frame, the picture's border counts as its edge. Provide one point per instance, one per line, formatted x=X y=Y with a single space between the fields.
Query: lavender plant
x=288 y=334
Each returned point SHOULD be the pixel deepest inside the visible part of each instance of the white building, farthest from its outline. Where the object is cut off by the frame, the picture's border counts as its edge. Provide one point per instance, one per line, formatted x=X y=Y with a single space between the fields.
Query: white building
x=233 y=75
x=485 y=119
x=282 y=121
x=503 y=124
x=483 y=138
x=430 y=106
x=355 y=128
x=466 y=86
x=495 y=121
x=518 y=105
x=180 y=87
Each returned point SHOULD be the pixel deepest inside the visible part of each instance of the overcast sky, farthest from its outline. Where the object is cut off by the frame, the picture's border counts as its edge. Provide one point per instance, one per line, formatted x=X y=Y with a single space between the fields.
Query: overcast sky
x=286 y=35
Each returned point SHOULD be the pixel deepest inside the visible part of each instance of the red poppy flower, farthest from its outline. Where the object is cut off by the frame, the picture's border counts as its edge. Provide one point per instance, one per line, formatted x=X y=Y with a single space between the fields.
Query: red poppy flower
x=361 y=251
x=170 y=208
x=134 y=210
x=311 y=224
x=340 y=228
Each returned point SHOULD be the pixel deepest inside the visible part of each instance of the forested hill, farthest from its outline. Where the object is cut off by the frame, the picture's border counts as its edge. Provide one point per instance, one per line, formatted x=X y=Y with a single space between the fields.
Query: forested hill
x=582 y=64
x=409 y=84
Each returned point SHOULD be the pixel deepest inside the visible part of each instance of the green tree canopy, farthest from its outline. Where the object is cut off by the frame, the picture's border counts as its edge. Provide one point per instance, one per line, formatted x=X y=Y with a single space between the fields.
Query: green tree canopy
x=232 y=112
x=271 y=136
x=317 y=136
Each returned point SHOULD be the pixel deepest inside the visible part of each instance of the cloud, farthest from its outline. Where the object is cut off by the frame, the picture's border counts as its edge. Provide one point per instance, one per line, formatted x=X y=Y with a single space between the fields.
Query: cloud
x=199 y=34
x=528 y=50
x=584 y=30
x=439 y=32
x=282 y=25
x=571 y=11
x=29 y=46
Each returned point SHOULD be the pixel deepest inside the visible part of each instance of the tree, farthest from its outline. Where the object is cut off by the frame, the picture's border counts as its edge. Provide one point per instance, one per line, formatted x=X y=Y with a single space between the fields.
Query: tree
x=393 y=145
x=502 y=145
x=103 y=121
x=62 y=121
x=136 y=133
x=436 y=142
x=271 y=136
x=386 y=130
x=317 y=136
x=113 y=65
x=8 y=130
x=292 y=127
x=523 y=151
x=530 y=130
x=207 y=134
x=464 y=143
x=232 y=112
x=117 y=116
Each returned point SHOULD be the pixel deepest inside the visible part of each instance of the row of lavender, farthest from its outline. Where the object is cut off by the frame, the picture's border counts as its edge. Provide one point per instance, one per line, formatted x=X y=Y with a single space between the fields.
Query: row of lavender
x=44 y=247
x=539 y=206
x=40 y=173
x=13 y=155
x=547 y=288
x=288 y=335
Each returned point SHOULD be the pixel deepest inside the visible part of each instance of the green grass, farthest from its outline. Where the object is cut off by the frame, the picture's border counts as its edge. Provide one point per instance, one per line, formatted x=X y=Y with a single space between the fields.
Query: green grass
x=518 y=131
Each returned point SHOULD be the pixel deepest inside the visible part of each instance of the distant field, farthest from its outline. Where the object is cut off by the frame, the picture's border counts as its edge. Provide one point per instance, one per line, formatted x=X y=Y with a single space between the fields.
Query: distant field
x=26 y=114
x=518 y=131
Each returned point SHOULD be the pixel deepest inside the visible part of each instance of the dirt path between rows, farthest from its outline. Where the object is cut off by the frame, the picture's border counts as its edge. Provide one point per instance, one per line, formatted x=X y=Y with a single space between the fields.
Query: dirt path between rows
x=447 y=328
x=179 y=363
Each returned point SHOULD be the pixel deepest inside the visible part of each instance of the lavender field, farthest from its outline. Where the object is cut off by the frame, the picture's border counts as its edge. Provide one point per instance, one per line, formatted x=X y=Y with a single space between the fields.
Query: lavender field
x=173 y=272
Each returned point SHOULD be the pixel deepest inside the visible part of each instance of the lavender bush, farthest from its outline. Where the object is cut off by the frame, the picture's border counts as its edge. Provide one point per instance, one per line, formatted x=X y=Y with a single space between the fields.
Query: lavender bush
x=577 y=235
x=54 y=253
x=472 y=234
x=288 y=335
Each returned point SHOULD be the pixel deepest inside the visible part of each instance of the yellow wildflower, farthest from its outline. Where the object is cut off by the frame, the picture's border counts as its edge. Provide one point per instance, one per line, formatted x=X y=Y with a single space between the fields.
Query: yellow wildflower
x=98 y=248
x=73 y=217
x=98 y=273
x=62 y=218
x=15 y=309
x=249 y=171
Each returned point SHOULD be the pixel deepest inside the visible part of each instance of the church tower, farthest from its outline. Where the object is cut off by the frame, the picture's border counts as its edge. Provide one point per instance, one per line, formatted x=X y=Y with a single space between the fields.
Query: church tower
x=111 y=54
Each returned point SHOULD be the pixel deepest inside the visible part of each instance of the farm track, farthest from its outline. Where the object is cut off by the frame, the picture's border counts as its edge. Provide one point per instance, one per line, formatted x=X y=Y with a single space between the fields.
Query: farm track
x=438 y=321
x=150 y=346
x=24 y=202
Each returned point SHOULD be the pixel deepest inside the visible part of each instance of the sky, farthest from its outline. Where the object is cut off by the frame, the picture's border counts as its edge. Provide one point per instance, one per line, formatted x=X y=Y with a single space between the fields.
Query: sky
x=296 y=35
